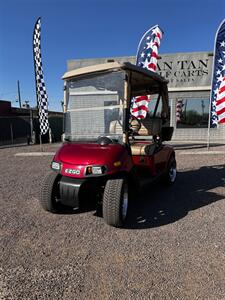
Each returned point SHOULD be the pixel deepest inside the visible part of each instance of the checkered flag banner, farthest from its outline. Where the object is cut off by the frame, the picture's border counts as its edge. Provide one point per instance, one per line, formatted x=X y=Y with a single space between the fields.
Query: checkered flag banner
x=42 y=98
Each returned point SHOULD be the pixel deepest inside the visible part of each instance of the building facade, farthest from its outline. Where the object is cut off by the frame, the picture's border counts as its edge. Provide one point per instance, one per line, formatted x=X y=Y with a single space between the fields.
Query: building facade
x=189 y=76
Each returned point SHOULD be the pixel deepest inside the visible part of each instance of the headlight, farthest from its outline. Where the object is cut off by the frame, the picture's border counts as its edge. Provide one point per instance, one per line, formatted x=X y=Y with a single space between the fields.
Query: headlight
x=95 y=170
x=56 y=166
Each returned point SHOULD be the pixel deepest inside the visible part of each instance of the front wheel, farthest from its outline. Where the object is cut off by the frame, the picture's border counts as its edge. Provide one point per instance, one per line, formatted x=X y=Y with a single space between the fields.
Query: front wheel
x=115 y=202
x=49 y=192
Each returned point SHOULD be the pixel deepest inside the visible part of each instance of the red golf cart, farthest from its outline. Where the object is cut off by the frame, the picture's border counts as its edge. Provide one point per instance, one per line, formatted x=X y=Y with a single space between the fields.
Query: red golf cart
x=107 y=152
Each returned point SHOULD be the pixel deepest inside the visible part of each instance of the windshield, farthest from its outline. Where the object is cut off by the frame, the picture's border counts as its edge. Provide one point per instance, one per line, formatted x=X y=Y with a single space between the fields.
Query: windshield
x=95 y=107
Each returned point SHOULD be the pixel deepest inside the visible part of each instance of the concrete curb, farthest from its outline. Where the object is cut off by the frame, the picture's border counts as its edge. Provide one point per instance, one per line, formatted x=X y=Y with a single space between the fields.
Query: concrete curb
x=200 y=152
x=35 y=154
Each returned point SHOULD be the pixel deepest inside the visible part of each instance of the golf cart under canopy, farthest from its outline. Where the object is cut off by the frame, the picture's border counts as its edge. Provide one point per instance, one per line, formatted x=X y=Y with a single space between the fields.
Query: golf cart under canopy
x=109 y=155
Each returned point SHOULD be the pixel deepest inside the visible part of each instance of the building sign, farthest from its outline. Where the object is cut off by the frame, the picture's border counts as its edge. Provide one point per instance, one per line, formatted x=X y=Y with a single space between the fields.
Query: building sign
x=186 y=69
x=191 y=69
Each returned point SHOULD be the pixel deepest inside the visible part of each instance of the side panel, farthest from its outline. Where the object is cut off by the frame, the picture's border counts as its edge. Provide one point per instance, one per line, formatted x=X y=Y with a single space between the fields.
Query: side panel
x=156 y=163
x=161 y=158
x=144 y=163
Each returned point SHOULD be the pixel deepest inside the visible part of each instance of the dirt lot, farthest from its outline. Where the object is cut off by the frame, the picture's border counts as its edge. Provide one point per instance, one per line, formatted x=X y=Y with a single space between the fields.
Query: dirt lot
x=173 y=246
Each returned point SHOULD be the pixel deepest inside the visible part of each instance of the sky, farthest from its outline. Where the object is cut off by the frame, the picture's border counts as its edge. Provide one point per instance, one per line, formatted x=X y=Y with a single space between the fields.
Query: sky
x=81 y=29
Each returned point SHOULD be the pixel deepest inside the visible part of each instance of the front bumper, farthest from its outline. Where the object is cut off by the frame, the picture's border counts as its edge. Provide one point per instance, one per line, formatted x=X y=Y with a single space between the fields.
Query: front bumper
x=69 y=189
x=74 y=191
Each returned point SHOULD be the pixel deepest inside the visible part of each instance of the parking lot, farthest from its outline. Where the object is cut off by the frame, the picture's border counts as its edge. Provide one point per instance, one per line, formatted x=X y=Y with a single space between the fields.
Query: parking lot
x=172 y=246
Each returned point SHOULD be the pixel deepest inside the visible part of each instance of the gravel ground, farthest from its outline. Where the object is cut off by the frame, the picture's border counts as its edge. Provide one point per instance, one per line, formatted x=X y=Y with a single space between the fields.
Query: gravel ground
x=172 y=247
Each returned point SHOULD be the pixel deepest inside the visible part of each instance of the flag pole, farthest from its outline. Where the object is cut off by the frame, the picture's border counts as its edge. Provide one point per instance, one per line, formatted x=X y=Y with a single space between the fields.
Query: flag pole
x=210 y=100
x=41 y=149
x=209 y=122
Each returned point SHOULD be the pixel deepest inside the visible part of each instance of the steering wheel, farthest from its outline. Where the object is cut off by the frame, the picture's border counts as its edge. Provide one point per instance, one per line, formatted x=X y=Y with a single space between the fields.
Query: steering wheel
x=134 y=124
x=104 y=140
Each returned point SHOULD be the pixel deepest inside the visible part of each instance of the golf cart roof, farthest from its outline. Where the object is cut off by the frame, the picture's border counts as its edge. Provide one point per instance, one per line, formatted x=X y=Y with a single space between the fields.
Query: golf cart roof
x=142 y=80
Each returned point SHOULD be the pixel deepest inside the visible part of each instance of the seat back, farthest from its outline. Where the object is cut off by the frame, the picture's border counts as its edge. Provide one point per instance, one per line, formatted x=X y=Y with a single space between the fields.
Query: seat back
x=115 y=127
x=150 y=126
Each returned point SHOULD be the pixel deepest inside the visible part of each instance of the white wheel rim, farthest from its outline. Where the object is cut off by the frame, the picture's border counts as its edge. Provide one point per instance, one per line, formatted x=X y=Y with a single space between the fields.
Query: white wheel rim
x=172 y=173
x=125 y=202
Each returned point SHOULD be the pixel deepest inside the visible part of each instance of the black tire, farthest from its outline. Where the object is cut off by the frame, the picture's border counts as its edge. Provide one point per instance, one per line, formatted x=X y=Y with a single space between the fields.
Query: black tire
x=49 y=191
x=115 y=202
x=171 y=172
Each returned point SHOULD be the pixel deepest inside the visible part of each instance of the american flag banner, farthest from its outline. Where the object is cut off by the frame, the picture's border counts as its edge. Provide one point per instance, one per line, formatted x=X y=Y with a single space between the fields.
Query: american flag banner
x=147 y=55
x=42 y=98
x=218 y=79
x=140 y=107
x=179 y=108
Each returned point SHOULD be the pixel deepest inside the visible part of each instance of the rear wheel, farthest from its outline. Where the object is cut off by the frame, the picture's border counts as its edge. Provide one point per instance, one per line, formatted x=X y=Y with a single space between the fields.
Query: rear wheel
x=171 y=172
x=115 y=202
x=49 y=192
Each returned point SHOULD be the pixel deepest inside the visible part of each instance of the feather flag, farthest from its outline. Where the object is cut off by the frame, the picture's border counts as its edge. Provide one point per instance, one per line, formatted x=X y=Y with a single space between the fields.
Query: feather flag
x=220 y=102
x=42 y=98
x=147 y=56
x=140 y=107
x=218 y=79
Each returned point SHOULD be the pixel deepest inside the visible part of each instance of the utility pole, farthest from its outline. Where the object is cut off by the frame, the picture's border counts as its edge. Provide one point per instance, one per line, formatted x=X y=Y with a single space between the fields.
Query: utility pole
x=19 y=98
